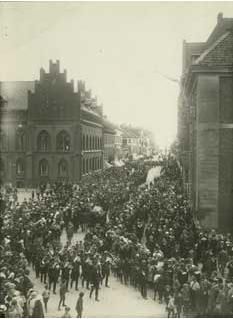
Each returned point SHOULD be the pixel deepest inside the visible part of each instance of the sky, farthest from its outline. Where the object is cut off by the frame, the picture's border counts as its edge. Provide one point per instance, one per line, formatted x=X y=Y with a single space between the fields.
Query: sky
x=119 y=48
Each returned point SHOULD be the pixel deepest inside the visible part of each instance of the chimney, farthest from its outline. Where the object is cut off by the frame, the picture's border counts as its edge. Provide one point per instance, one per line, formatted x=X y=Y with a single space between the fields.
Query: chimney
x=220 y=17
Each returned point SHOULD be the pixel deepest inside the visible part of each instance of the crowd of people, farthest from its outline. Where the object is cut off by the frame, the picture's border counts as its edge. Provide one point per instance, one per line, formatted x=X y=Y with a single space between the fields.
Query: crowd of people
x=145 y=236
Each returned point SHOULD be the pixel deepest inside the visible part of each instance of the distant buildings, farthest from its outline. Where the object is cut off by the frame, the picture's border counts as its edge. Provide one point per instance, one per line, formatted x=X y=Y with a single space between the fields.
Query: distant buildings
x=205 y=125
x=51 y=132
x=136 y=141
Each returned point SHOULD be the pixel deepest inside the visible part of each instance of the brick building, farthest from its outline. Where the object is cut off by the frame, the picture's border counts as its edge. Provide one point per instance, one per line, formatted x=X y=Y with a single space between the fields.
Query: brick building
x=49 y=132
x=91 y=131
x=205 y=125
x=109 y=141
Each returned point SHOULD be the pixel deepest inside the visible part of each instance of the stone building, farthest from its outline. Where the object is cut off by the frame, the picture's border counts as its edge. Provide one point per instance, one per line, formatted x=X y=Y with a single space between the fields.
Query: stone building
x=205 y=126
x=49 y=132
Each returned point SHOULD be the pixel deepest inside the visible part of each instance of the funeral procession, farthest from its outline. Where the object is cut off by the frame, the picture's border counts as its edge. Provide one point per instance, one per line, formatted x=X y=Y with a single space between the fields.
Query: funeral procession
x=116 y=159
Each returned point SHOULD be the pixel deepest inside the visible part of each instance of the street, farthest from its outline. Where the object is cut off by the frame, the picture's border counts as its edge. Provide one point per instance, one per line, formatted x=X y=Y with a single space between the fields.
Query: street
x=116 y=301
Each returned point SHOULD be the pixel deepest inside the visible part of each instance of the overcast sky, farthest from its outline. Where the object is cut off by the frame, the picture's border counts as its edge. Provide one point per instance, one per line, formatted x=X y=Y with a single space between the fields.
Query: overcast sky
x=117 y=48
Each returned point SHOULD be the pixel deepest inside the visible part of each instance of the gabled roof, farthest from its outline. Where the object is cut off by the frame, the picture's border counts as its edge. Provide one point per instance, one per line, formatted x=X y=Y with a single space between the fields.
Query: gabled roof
x=223 y=25
x=15 y=94
x=220 y=53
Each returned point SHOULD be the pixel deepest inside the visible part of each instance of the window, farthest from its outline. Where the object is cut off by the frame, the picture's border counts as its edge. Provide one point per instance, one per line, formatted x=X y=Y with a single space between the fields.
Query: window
x=20 y=141
x=3 y=141
x=63 y=142
x=96 y=146
x=2 y=168
x=87 y=167
x=100 y=142
x=43 y=168
x=194 y=57
x=20 y=167
x=84 y=142
x=43 y=141
x=63 y=168
x=87 y=140
x=90 y=143
x=84 y=166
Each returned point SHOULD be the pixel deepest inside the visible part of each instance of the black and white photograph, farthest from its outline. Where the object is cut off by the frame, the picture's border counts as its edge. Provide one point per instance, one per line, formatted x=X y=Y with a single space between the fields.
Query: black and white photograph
x=116 y=159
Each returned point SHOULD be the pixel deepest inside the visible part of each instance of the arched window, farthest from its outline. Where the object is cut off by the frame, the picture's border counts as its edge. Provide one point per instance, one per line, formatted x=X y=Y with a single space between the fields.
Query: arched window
x=43 y=141
x=3 y=141
x=63 y=142
x=87 y=167
x=43 y=168
x=63 y=168
x=20 y=140
x=20 y=169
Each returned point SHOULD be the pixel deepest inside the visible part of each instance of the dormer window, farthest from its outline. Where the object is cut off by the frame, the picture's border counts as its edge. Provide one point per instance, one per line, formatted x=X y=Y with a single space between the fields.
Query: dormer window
x=194 y=57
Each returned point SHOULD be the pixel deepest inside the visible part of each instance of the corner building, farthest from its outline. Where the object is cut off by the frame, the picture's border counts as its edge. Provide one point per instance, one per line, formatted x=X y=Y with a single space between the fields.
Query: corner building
x=205 y=126
x=43 y=124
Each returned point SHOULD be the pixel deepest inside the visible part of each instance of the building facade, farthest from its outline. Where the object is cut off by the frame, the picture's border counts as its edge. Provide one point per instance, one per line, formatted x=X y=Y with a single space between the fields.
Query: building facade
x=109 y=141
x=91 y=132
x=49 y=132
x=136 y=141
x=205 y=126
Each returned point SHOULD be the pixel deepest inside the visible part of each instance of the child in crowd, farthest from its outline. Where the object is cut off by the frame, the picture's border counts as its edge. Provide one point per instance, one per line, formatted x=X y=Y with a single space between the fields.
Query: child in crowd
x=67 y=313
x=79 y=305
x=46 y=295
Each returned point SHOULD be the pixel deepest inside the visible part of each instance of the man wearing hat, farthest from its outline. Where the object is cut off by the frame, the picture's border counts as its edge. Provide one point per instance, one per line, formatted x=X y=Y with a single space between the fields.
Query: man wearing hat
x=95 y=280
x=75 y=272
